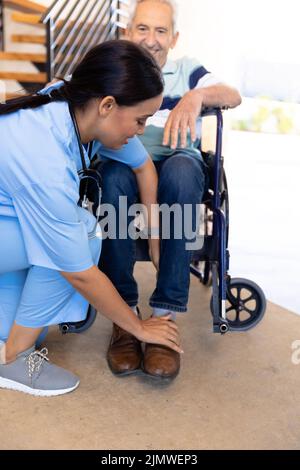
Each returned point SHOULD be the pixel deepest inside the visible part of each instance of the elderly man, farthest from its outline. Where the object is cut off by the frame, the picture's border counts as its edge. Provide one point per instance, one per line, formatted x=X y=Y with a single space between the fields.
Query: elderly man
x=171 y=139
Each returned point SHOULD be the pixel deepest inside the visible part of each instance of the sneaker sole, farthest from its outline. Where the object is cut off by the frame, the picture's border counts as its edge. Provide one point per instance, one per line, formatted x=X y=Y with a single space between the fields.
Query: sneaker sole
x=19 y=387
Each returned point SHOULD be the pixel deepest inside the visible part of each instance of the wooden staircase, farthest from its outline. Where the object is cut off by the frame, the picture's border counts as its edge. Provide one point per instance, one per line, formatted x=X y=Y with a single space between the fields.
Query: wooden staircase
x=44 y=41
x=26 y=6
x=20 y=70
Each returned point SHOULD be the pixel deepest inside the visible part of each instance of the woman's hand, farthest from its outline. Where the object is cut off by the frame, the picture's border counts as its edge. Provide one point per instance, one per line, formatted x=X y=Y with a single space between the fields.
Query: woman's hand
x=100 y=292
x=160 y=330
x=154 y=251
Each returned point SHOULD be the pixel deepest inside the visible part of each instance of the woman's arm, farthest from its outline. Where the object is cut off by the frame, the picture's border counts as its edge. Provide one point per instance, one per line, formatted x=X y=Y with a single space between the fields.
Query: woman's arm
x=147 y=181
x=100 y=292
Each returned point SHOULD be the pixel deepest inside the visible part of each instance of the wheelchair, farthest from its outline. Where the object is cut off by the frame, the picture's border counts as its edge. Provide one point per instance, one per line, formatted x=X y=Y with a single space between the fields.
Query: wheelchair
x=237 y=304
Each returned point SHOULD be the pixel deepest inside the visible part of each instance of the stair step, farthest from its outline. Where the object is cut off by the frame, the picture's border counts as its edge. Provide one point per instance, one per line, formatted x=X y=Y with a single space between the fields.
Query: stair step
x=24 y=77
x=27 y=18
x=39 y=58
x=10 y=96
x=29 y=38
x=25 y=6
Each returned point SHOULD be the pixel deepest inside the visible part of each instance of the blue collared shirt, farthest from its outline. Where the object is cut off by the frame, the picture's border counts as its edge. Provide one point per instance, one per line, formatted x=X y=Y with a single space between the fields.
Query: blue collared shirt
x=39 y=161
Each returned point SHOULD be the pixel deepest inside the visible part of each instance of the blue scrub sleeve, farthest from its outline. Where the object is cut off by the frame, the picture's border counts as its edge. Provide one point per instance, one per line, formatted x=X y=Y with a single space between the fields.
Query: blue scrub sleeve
x=54 y=236
x=132 y=154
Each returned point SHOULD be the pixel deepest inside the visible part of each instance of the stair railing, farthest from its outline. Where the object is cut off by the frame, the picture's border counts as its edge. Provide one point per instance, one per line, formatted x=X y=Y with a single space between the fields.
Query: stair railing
x=74 y=27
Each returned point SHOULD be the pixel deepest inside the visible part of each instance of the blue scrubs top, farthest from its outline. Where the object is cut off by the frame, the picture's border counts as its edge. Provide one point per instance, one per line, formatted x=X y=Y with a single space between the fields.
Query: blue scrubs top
x=39 y=160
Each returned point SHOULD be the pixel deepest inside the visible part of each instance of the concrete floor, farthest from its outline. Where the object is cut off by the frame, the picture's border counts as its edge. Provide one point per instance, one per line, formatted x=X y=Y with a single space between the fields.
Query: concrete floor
x=239 y=391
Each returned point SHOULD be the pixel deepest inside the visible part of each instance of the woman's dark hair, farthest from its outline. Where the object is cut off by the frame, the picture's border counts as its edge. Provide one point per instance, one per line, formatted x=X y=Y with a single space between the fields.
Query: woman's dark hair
x=115 y=68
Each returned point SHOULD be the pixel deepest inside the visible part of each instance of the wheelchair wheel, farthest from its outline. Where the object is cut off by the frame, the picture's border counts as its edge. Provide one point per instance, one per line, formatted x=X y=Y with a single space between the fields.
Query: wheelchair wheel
x=80 y=326
x=245 y=304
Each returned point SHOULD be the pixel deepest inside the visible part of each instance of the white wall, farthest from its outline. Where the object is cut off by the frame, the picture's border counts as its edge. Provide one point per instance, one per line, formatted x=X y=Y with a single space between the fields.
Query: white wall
x=201 y=24
x=221 y=33
x=262 y=169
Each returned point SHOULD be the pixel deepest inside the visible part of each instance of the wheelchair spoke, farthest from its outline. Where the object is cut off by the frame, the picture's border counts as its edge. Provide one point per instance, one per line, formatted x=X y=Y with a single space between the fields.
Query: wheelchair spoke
x=245 y=304
x=249 y=298
x=230 y=308
x=238 y=305
x=233 y=317
x=251 y=312
x=239 y=288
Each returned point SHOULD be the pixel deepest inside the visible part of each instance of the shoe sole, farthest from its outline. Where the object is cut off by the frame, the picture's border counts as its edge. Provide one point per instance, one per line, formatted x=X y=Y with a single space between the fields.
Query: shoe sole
x=124 y=373
x=161 y=378
x=19 y=387
x=166 y=378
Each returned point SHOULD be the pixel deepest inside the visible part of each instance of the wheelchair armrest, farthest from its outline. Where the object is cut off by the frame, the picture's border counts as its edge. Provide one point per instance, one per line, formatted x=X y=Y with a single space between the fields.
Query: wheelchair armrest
x=212 y=111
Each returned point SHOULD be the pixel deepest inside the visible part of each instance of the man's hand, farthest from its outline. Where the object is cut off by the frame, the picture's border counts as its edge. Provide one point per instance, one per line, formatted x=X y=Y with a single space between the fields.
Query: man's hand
x=183 y=118
x=185 y=114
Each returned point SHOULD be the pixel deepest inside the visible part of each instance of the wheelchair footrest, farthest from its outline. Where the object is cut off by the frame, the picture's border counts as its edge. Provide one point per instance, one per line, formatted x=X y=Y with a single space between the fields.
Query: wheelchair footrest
x=79 y=327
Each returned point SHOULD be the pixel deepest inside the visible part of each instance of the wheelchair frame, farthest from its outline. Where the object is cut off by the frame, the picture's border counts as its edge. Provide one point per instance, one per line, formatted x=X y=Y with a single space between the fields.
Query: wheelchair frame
x=218 y=254
x=214 y=255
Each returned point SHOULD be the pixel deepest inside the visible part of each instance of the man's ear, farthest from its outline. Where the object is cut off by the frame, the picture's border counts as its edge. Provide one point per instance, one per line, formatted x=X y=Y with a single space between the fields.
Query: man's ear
x=174 y=40
x=127 y=33
x=106 y=105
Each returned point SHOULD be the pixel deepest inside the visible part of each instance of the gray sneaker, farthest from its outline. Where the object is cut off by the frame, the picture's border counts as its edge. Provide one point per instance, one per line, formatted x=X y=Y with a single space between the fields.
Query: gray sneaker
x=32 y=373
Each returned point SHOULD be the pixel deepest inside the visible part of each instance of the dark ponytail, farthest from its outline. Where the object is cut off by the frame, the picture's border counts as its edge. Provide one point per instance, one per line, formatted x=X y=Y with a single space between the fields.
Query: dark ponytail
x=29 y=101
x=116 y=68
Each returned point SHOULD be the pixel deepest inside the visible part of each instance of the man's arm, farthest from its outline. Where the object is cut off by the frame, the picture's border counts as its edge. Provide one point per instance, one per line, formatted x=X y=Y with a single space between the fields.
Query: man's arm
x=185 y=114
x=219 y=95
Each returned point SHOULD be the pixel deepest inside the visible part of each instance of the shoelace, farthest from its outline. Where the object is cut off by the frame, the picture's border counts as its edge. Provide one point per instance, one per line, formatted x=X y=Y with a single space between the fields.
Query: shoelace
x=35 y=360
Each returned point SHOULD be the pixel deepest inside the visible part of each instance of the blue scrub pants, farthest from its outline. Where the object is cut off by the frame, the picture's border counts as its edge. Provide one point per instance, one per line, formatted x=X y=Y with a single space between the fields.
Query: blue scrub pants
x=33 y=296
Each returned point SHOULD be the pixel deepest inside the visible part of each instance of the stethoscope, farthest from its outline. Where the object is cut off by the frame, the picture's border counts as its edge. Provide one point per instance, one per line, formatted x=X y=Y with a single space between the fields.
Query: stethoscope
x=90 y=186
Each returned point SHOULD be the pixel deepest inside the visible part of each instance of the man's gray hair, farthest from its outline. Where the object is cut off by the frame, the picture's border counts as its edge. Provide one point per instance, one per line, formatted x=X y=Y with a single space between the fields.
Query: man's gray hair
x=134 y=3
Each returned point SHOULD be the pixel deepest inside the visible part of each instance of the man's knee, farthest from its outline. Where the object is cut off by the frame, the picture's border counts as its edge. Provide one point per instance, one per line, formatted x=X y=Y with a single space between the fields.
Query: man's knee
x=182 y=177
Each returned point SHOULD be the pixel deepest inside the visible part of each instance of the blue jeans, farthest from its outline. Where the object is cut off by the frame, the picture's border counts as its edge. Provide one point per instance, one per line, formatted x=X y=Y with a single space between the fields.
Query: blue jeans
x=182 y=180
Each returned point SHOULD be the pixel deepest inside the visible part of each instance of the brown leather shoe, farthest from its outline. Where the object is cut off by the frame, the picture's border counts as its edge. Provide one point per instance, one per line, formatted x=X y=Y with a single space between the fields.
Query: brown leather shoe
x=161 y=361
x=124 y=355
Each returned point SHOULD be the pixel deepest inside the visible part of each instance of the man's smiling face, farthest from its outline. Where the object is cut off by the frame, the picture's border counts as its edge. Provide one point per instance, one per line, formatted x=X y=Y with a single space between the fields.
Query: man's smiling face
x=152 y=28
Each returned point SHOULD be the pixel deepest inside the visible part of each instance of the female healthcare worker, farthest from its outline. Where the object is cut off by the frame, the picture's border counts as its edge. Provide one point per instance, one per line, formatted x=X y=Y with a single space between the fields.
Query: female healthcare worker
x=48 y=264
